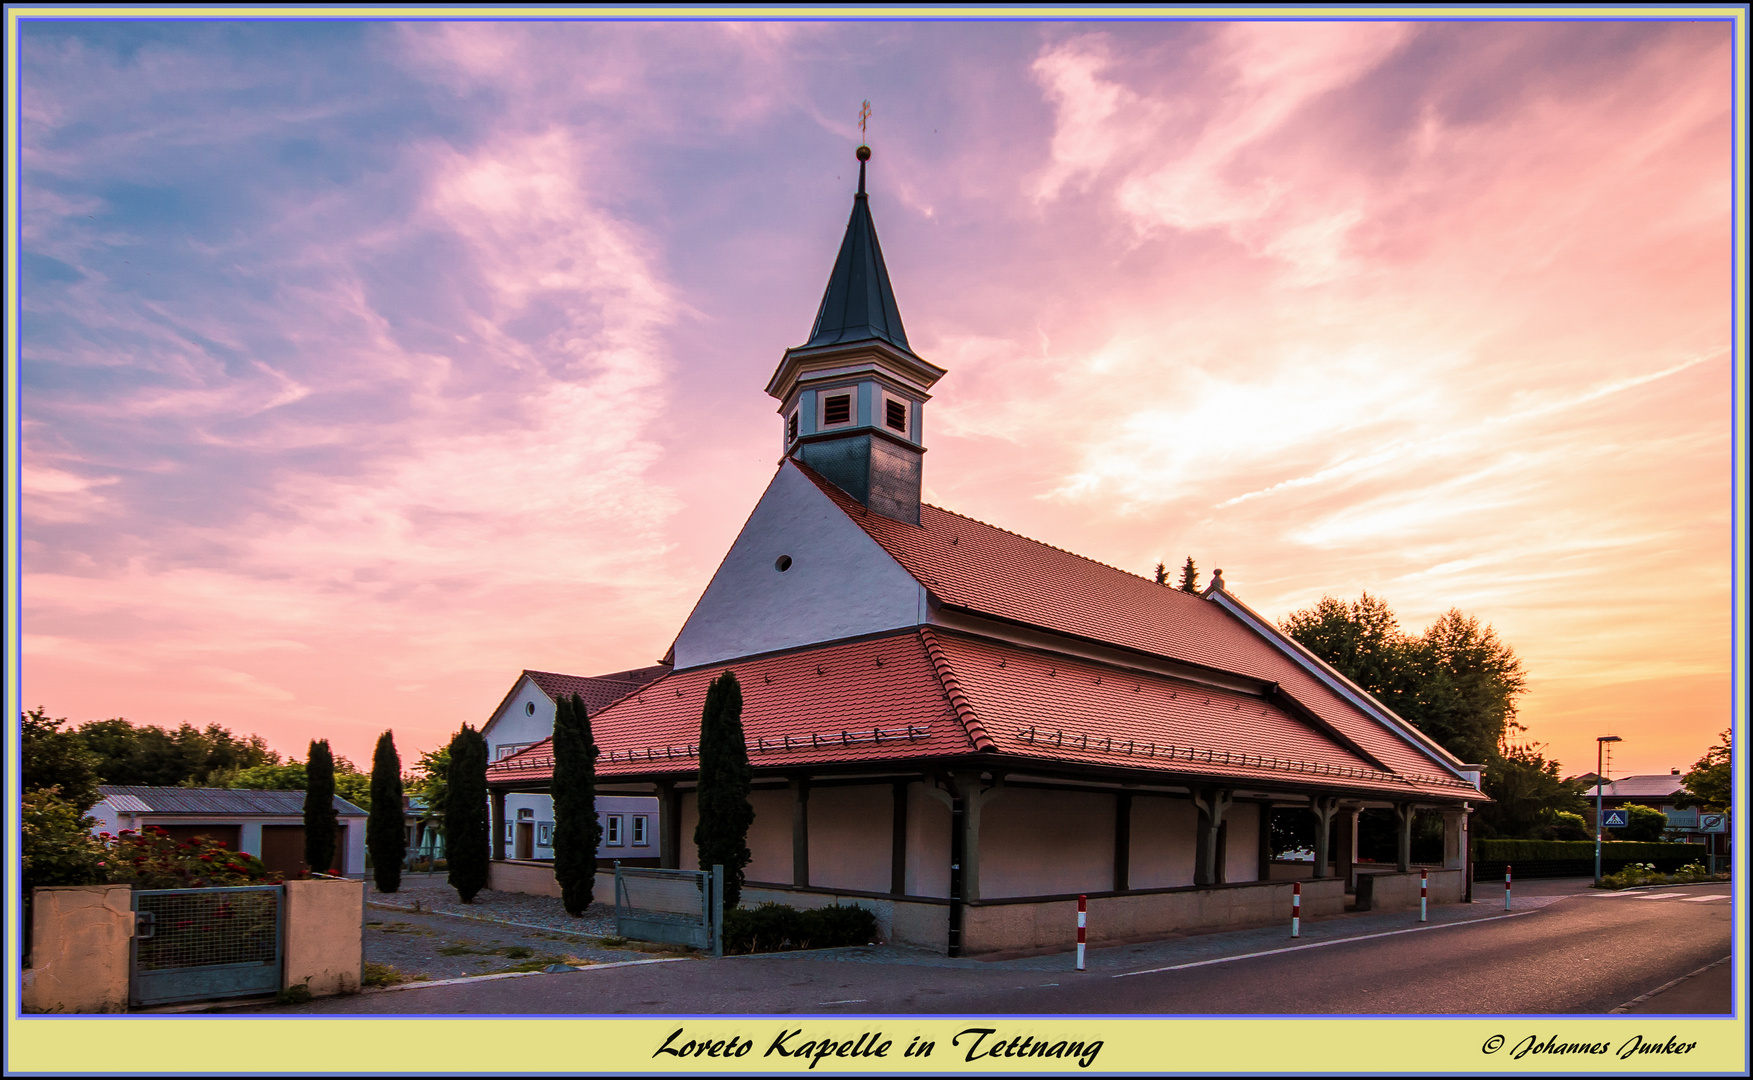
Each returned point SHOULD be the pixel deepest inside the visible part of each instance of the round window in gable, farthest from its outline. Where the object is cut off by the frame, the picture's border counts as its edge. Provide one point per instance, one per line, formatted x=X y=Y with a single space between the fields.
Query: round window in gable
x=529 y=708
x=782 y=564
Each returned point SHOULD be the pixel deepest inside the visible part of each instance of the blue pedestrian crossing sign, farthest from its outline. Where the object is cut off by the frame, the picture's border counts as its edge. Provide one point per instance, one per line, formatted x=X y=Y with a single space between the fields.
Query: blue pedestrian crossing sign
x=1616 y=819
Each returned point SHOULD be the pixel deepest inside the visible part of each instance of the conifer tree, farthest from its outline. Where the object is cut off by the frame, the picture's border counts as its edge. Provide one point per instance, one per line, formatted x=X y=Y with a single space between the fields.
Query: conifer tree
x=320 y=818
x=466 y=826
x=1162 y=574
x=577 y=832
x=1189 y=576
x=385 y=832
x=721 y=837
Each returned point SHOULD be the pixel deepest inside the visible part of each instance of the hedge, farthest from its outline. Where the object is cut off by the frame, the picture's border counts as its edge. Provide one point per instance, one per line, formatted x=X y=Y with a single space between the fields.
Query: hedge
x=1514 y=851
x=778 y=928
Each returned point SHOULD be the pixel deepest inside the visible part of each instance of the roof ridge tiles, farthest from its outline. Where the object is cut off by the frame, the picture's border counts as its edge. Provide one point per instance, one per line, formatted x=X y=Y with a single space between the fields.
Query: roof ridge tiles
x=952 y=689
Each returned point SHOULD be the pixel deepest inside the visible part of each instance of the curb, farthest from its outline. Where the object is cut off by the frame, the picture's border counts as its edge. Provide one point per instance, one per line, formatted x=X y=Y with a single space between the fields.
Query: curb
x=514 y=975
x=479 y=918
x=1669 y=985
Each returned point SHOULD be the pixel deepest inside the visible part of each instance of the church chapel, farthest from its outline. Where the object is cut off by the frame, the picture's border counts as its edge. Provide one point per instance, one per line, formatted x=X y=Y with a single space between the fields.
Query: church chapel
x=964 y=730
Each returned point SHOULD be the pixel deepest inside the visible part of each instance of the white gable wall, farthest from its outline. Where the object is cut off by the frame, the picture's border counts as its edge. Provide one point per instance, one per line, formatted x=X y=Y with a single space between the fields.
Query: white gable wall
x=840 y=584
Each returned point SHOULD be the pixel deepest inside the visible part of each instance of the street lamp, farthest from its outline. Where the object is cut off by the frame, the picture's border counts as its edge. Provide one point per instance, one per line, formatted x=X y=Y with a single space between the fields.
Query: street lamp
x=1601 y=742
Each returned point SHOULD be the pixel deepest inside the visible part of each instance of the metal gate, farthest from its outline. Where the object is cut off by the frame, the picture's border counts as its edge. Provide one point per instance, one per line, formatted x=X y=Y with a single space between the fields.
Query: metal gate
x=681 y=907
x=199 y=944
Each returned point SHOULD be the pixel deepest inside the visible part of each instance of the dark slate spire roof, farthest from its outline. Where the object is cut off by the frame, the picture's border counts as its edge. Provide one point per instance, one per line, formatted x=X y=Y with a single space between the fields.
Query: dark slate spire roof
x=860 y=303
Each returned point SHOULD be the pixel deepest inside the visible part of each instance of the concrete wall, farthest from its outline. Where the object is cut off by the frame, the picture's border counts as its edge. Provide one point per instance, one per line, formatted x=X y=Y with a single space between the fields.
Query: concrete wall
x=1395 y=891
x=1163 y=842
x=989 y=927
x=928 y=843
x=1242 y=843
x=1035 y=842
x=840 y=582
x=851 y=837
x=79 y=945
x=325 y=921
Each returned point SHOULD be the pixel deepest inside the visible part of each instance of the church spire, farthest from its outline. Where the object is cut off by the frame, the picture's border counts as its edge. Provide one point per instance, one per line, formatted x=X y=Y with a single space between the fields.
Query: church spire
x=859 y=303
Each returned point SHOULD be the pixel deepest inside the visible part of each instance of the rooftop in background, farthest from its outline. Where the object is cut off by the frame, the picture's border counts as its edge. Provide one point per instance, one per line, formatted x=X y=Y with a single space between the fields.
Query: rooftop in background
x=140 y=799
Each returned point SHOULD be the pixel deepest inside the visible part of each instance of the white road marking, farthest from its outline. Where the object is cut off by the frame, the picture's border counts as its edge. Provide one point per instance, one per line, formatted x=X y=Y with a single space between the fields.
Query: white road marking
x=1705 y=899
x=1659 y=895
x=848 y=1001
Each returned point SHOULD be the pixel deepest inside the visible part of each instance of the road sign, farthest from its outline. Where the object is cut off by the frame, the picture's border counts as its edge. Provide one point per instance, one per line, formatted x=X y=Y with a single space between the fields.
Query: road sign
x=1713 y=823
x=1616 y=819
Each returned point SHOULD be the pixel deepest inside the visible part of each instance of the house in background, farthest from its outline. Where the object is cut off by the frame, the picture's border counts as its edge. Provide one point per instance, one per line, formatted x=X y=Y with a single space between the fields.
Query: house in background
x=266 y=824
x=524 y=718
x=965 y=729
x=1660 y=791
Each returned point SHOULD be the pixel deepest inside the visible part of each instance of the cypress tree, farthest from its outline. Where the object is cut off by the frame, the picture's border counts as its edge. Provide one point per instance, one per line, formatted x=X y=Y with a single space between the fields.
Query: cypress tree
x=1189 y=576
x=1162 y=574
x=721 y=837
x=385 y=832
x=320 y=818
x=577 y=832
x=465 y=814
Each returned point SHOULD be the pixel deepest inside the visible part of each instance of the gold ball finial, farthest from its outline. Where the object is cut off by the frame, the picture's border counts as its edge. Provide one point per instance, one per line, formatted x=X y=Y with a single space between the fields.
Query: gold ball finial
x=864 y=153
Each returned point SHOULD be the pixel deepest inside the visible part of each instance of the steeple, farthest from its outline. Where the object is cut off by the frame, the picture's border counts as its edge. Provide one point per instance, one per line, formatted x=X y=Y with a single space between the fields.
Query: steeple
x=859 y=303
x=853 y=396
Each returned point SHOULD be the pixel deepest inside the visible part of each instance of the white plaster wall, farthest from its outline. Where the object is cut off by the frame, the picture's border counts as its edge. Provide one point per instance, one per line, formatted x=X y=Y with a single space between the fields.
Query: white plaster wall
x=928 y=842
x=851 y=837
x=1242 y=843
x=769 y=836
x=1036 y=843
x=840 y=584
x=249 y=837
x=511 y=724
x=1163 y=842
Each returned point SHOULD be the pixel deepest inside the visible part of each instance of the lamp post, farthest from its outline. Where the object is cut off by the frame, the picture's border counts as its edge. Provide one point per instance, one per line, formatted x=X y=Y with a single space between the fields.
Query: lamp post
x=1601 y=742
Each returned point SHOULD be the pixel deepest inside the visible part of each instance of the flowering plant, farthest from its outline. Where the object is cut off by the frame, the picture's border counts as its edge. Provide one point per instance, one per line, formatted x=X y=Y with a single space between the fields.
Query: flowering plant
x=152 y=859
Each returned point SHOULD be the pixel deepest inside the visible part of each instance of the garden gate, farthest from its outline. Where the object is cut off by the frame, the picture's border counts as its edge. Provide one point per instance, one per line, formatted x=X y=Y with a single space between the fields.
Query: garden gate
x=199 y=944
x=682 y=907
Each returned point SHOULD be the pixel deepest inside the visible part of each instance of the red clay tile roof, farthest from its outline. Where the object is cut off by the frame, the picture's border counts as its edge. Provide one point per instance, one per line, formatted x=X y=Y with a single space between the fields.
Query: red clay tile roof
x=596 y=690
x=978 y=567
x=943 y=695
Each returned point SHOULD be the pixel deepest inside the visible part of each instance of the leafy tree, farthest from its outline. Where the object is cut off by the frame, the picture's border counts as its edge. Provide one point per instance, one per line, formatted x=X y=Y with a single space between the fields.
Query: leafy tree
x=320 y=818
x=432 y=785
x=189 y=756
x=1527 y=794
x=386 y=832
x=57 y=843
x=1189 y=576
x=1362 y=640
x=52 y=758
x=466 y=824
x=1162 y=574
x=1642 y=823
x=721 y=837
x=577 y=832
x=350 y=783
x=1707 y=784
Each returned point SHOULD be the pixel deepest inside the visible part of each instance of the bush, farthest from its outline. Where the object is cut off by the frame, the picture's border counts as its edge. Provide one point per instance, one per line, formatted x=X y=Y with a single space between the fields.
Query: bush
x=1635 y=874
x=780 y=928
x=150 y=859
x=57 y=843
x=1519 y=851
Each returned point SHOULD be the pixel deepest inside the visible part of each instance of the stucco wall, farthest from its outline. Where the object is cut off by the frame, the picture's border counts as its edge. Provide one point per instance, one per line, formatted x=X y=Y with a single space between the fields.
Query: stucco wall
x=851 y=837
x=1395 y=891
x=1163 y=842
x=769 y=835
x=840 y=582
x=324 y=923
x=928 y=843
x=79 y=945
x=1035 y=842
x=514 y=724
x=1242 y=846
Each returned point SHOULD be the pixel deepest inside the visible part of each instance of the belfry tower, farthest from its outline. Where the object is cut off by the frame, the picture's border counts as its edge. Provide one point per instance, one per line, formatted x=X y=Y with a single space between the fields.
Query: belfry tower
x=853 y=396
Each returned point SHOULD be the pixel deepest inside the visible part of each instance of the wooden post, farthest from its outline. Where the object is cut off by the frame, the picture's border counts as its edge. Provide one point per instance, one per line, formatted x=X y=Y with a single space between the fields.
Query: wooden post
x=498 y=847
x=800 y=831
x=898 y=842
x=1122 y=841
x=669 y=826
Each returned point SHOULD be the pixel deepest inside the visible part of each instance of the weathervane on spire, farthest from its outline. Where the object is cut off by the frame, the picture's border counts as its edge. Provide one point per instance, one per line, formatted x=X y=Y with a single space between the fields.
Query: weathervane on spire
x=863 y=149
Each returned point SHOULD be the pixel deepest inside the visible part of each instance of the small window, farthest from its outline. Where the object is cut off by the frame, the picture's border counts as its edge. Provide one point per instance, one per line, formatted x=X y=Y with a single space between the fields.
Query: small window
x=508 y=828
x=836 y=409
x=545 y=834
x=526 y=815
x=896 y=415
x=782 y=564
x=612 y=834
x=639 y=839
x=529 y=708
x=791 y=425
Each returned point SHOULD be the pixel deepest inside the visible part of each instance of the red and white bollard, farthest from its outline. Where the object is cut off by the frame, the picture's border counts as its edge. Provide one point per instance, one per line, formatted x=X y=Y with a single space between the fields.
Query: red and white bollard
x=1296 y=909
x=1424 y=896
x=1082 y=917
x=1506 y=886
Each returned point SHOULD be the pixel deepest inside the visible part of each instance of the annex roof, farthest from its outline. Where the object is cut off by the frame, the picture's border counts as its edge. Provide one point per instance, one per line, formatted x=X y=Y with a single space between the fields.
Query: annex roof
x=230 y=802
x=927 y=694
x=968 y=564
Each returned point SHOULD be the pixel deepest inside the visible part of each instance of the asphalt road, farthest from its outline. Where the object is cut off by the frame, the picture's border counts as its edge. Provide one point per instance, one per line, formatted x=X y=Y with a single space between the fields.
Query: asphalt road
x=1588 y=953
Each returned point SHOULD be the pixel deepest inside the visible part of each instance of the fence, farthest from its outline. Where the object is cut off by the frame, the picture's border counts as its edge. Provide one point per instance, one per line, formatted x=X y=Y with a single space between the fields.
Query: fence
x=198 y=944
x=681 y=907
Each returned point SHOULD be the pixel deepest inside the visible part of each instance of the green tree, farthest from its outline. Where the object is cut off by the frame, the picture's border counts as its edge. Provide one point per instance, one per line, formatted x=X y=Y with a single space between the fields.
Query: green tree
x=1526 y=792
x=432 y=785
x=1643 y=823
x=1467 y=685
x=721 y=836
x=386 y=832
x=1361 y=640
x=56 y=842
x=188 y=756
x=1162 y=574
x=1189 y=576
x=577 y=832
x=51 y=758
x=320 y=818
x=466 y=825
x=1707 y=784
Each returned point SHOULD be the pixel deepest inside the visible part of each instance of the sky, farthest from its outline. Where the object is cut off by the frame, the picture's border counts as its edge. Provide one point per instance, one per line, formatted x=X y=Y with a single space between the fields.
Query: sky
x=363 y=365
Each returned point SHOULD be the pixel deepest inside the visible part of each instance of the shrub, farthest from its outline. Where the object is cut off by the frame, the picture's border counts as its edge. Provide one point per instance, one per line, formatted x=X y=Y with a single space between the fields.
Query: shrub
x=57 y=843
x=151 y=859
x=779 y=928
